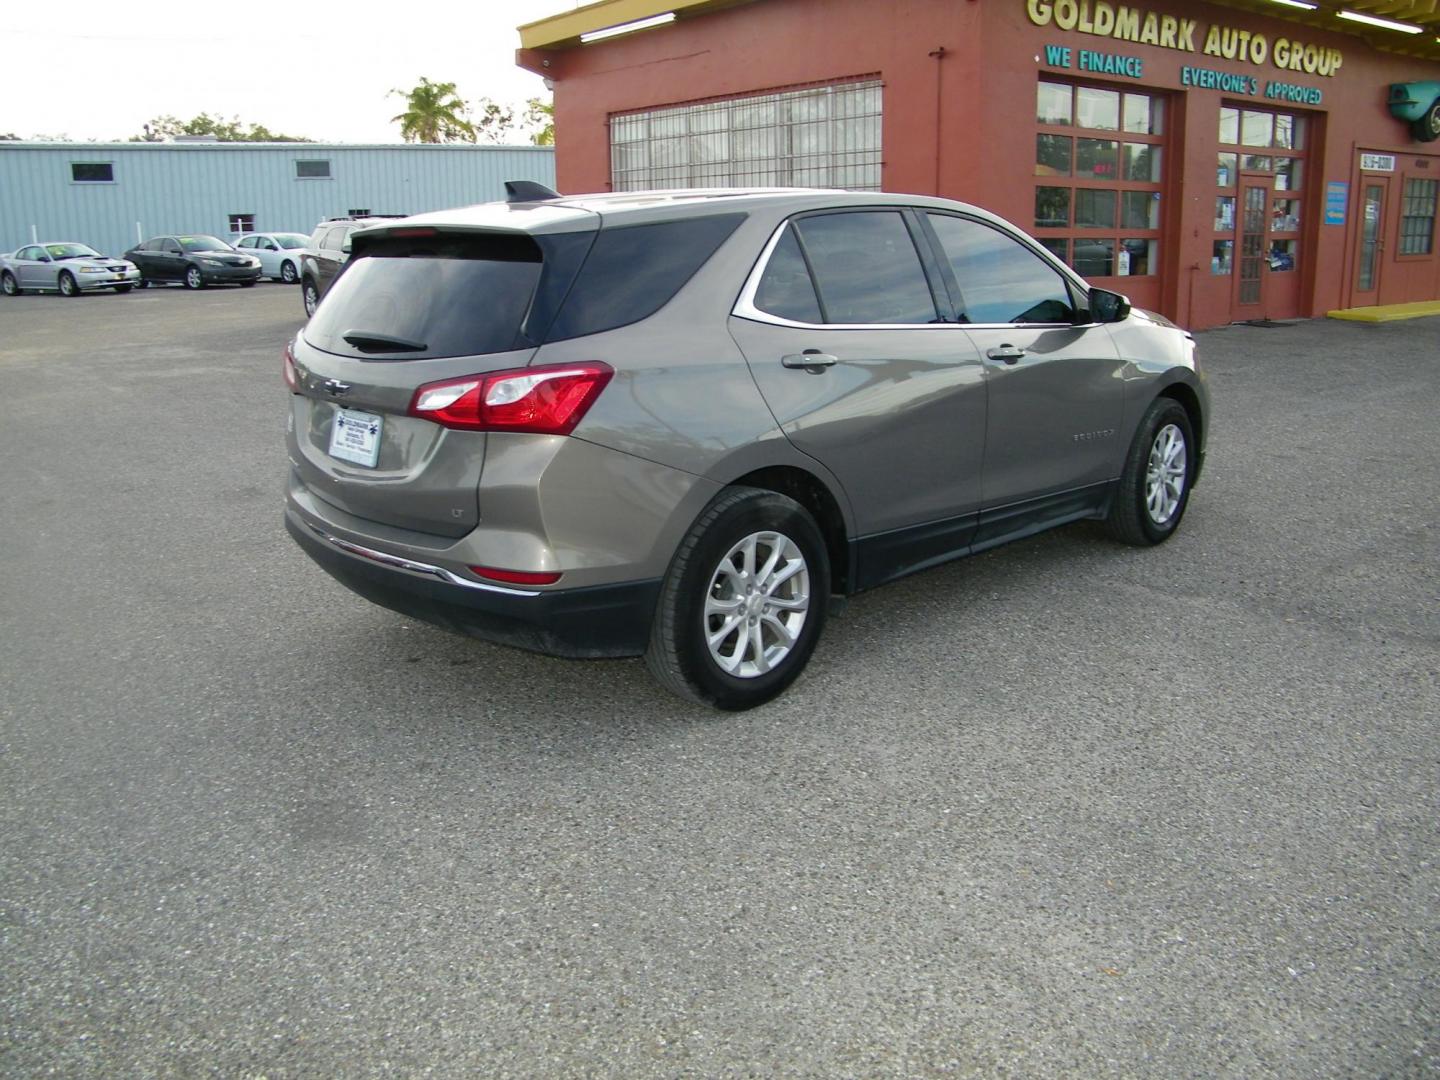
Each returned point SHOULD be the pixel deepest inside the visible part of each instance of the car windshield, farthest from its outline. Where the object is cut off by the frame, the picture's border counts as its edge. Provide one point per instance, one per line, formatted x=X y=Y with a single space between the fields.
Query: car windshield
x=72 y=251
x=204 y=243
x=290 y=241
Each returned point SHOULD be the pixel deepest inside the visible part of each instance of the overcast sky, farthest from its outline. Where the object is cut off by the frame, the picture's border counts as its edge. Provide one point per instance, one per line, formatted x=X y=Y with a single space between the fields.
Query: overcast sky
x=91 y=70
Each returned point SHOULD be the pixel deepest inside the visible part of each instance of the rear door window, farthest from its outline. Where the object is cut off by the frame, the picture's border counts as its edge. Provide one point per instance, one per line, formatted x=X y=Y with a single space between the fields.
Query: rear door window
x=867 y=270
x=415 y=298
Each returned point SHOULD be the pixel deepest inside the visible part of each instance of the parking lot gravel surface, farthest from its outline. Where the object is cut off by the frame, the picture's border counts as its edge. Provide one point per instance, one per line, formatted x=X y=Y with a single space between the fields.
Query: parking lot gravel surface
x=1065 y=809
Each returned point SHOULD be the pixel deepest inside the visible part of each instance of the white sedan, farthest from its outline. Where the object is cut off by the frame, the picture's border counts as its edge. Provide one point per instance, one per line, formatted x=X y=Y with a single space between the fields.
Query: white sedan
x=66 y=268
x=278 y=252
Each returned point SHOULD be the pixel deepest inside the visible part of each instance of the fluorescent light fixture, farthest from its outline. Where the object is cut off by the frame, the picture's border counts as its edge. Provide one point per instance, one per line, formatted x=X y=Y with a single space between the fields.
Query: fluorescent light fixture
x=627 y=28
x=1301 y=4
x=1384 y=24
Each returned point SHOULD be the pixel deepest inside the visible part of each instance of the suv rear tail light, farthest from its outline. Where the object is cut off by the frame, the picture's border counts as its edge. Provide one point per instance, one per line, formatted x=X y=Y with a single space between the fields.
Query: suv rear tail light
x=287 y=361
x=542 y=400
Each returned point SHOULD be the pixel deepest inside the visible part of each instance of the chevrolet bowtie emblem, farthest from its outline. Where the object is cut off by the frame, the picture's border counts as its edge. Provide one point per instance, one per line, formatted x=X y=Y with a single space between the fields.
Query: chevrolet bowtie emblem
x=336 y=387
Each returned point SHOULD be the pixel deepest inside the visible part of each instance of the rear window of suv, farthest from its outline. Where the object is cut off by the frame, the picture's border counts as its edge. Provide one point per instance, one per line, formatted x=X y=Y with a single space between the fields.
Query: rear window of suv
x=418 y=298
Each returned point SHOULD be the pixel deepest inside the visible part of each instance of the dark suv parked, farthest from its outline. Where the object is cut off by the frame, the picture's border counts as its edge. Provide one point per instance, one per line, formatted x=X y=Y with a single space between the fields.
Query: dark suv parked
x=327 y=252
x=672 y=424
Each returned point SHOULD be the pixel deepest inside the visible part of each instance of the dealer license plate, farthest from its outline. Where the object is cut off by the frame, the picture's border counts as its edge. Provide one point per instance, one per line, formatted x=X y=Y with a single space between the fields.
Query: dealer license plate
x=355 y=436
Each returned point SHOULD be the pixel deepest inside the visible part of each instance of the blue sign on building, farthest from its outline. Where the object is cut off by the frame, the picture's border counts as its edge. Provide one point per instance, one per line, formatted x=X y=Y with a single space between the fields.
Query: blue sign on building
x=1337 y=196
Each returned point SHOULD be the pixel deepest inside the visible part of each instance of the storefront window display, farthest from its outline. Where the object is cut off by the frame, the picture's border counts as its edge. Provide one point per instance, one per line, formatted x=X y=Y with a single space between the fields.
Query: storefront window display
x=1261 y=163
x=1099 y=164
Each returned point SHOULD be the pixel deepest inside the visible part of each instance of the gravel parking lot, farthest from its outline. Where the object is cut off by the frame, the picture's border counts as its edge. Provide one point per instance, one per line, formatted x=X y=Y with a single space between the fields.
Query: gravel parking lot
x=1064 y=809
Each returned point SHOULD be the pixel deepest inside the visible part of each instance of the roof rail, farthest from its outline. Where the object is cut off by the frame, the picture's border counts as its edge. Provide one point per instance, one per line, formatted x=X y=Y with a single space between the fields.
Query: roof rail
x=528 y=191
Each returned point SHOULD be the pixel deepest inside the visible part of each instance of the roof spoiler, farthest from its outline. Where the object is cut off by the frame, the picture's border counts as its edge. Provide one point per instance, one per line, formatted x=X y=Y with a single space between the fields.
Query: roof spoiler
x=517 y=191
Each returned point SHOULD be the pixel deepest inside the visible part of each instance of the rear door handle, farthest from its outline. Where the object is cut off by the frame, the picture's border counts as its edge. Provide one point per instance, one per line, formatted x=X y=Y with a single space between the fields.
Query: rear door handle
x=1008 y=353
x=811 y=360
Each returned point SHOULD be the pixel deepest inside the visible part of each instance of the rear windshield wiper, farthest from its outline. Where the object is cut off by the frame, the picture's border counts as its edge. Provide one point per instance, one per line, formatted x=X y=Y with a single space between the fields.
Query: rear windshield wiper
x=370 y=341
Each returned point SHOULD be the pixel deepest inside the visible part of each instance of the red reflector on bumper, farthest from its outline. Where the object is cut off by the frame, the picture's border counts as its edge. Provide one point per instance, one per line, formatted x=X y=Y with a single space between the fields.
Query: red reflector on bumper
x=516 y=577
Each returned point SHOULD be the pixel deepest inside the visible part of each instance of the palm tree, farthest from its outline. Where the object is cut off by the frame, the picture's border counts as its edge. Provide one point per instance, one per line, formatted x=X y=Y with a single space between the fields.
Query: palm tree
x=434 y=114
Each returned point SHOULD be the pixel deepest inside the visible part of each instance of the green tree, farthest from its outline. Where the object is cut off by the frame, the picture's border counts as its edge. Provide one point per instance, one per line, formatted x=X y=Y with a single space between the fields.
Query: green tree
x=497 y=123
x=167 y=127
x=493 y=121
x=541 y=114
x=433 y=114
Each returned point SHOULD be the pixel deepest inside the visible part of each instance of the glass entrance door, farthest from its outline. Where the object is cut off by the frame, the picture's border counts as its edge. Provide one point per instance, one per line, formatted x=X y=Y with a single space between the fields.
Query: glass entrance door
x=1250 y=269
x=1373 y=191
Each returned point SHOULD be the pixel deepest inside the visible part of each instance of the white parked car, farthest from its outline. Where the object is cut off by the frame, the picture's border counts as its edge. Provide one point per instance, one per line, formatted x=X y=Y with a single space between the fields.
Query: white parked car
x=66 y=268
x=278 y=252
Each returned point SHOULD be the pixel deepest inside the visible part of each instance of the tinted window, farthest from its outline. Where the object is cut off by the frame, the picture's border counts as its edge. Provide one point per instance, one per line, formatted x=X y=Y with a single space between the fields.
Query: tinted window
x=30 y=254
x=1001 y=280
x=866 y=268
x=247 y=242
x=785 y=288
x=291 y=241
x=452 y=295
x=170 y=245
x=633 y=271
x=92 y=172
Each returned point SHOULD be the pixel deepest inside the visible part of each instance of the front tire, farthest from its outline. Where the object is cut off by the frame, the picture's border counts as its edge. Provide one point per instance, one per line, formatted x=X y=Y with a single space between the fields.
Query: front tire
x=288 y=274
x=246 y=284
x=67 y=284
x=122 y=288
x=311 y=296
x=1154 y=486
x=8 y=285
x=743 y=603
x=193 y=278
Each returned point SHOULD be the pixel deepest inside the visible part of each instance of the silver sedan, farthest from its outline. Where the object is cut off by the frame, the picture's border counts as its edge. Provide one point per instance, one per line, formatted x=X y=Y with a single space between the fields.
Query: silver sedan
x=66 y=268
x=279 y=253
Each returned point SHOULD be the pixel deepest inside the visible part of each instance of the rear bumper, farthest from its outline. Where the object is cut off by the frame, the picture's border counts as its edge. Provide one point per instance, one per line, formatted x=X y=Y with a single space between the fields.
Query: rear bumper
x=597 y=621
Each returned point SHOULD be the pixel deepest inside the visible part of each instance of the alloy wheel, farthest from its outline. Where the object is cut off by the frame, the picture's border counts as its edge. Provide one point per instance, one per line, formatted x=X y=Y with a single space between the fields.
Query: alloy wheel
x=756 y=605
x=1165 y=474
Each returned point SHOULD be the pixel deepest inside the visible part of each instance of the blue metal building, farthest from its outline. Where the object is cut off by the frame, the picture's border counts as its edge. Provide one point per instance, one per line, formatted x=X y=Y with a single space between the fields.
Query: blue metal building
x=109 y=194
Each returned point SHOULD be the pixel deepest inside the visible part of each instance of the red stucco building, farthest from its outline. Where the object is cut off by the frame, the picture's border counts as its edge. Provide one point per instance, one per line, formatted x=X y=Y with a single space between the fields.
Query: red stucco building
x=1215 y=161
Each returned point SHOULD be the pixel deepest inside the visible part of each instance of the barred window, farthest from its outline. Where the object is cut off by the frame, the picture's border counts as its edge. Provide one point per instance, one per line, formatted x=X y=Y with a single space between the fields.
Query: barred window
x=1417 y=217
x=820 y=136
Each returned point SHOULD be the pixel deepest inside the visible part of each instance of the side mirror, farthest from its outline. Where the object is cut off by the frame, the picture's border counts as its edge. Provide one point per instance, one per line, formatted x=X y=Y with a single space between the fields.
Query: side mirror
x=1108 y=307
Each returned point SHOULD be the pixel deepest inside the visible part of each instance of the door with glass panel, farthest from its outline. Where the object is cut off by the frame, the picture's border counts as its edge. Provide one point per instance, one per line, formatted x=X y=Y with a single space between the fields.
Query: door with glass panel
x=1369 y=253
x=1250 y=268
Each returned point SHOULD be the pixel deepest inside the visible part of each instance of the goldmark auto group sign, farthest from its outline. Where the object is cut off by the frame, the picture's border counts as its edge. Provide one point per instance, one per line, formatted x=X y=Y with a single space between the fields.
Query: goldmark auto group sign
x=1120 y=22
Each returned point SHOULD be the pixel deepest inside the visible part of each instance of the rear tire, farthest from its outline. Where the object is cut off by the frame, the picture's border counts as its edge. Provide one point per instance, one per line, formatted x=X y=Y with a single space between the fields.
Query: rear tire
x=1154 y=486
x=743 y=603
x=67 y=284
x=9 y=286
